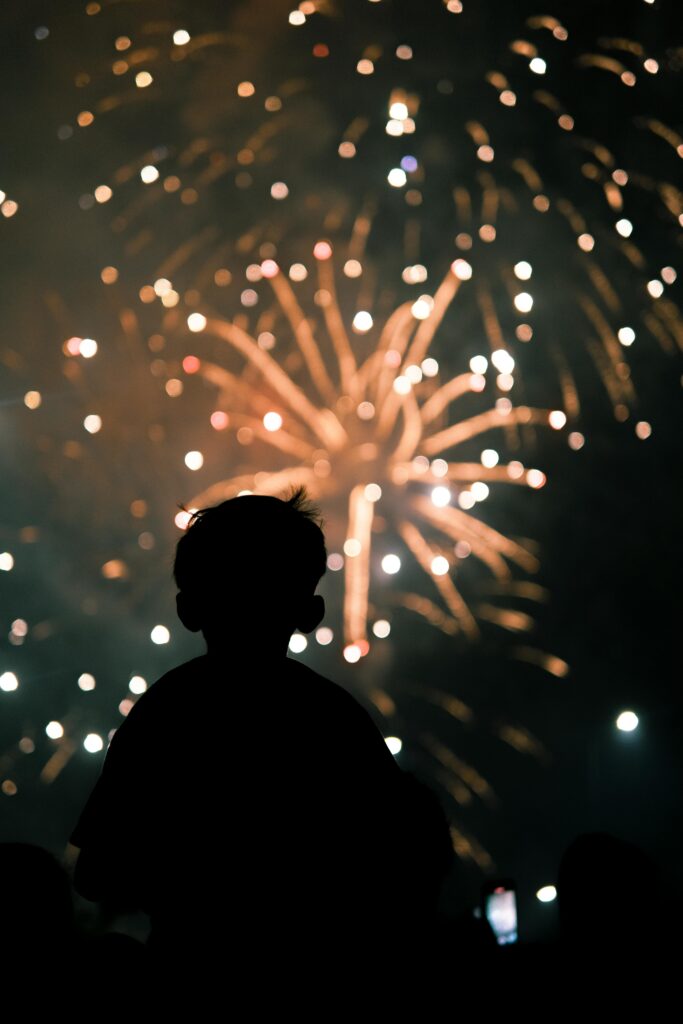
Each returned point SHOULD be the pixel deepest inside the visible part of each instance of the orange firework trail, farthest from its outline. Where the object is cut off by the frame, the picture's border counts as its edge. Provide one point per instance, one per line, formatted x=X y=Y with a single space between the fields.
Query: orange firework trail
x=372 y=436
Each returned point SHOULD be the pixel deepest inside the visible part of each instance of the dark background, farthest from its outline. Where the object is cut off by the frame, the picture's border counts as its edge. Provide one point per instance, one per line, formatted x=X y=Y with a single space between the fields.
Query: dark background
x=607 y=525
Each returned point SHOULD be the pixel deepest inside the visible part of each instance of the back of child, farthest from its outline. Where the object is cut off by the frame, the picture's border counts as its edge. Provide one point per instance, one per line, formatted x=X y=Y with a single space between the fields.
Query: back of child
x=247 y=802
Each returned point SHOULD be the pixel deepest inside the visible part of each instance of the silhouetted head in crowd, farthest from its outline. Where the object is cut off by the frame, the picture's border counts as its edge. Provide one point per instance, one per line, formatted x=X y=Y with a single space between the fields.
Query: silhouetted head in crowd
x=247 y=570
x=608 y=893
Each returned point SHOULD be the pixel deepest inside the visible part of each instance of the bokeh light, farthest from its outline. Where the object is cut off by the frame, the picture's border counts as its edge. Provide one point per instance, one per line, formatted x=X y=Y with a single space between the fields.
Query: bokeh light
x=627 y=721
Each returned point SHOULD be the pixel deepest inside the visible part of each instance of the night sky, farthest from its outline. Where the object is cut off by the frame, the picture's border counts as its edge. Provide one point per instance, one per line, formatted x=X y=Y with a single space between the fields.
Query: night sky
x=253 y=100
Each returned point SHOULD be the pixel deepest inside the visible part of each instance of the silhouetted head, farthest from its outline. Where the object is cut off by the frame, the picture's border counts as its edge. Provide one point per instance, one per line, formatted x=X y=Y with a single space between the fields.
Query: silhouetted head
x=247 y=571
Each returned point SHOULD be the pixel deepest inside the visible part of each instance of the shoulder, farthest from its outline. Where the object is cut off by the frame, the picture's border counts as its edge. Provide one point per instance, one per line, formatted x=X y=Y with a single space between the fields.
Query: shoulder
x=167 y=688
x=341 y=721
x=132 y=761
x=155 y=711
x=182 y=675
x=323 y=692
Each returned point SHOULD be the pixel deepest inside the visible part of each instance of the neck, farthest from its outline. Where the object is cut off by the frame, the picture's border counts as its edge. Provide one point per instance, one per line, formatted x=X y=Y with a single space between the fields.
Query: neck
x=245 y=649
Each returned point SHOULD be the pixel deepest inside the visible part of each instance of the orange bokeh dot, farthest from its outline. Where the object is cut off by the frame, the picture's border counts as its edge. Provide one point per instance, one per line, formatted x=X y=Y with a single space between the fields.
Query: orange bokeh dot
x=191 y=364
x=322 y=250
x=219 y=420
x=72 y=347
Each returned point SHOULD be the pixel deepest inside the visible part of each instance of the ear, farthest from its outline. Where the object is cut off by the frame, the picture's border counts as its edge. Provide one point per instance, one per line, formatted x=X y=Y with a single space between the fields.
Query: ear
x=187 y=613
x=310 y=614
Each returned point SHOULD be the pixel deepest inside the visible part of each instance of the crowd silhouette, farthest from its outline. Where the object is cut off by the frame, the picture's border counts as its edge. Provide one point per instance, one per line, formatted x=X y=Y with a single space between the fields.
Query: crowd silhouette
x=252 y=810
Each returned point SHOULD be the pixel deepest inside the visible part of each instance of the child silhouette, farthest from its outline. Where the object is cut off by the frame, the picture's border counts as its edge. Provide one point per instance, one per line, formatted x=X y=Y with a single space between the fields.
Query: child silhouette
x=246 y=799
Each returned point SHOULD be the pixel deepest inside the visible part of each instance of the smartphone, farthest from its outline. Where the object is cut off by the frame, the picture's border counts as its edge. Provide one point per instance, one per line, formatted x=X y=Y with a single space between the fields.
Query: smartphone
x=499 y=900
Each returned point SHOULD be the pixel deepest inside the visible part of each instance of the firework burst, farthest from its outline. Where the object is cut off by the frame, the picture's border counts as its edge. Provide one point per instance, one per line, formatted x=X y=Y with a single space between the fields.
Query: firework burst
x=374 y=438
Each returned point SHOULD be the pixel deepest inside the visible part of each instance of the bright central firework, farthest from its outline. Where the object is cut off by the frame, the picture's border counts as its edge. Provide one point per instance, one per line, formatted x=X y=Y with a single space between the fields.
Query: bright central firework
x=376 y=437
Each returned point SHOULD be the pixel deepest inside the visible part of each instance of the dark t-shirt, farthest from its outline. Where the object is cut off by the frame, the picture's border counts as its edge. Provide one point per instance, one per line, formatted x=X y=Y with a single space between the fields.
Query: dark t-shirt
x=248 y=799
